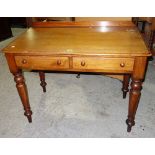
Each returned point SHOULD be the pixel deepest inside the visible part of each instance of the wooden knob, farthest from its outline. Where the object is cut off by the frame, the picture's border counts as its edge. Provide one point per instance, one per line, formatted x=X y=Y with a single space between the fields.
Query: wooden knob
x=24 y=61
x=59 y=62
x=122 y=64
x=83 y=63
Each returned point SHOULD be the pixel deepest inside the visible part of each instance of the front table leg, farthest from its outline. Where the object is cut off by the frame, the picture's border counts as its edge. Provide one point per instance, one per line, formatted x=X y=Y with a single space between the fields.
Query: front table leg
x=22 y=91
x=135 y=93
x=135 y=90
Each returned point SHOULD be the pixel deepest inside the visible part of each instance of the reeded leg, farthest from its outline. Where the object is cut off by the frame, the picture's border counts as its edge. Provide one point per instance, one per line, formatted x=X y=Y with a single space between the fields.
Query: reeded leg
x=42 y=79
x=22 y=90
x=135 y=93
x=125 y=87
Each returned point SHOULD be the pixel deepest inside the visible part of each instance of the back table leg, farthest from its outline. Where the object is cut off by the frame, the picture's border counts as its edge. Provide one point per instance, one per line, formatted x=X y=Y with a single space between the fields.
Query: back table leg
x=22 y=91
x=125 y=87
x=42 y=79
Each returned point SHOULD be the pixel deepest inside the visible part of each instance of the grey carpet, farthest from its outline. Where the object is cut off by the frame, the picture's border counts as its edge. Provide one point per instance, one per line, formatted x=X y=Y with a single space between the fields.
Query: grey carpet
x=91 y=106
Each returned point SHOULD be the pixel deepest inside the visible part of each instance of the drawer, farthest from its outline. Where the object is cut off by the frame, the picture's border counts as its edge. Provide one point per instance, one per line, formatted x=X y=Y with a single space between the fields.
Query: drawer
x=42 y=62
x=101 y=63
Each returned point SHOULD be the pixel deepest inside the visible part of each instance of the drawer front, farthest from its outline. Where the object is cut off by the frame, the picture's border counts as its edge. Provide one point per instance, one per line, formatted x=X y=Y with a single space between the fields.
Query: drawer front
x=42 y=62
x=100 y=63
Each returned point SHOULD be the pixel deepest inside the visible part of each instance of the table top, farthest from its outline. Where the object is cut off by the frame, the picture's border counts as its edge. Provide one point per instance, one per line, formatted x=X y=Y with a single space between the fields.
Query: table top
x=83 y=41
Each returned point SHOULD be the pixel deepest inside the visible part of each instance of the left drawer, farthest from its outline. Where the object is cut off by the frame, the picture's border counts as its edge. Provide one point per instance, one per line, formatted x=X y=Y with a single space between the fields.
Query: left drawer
x=42 y=62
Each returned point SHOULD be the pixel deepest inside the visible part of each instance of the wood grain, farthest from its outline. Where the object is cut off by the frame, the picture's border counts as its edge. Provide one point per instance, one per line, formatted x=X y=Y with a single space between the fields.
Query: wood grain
x=78 y=41
x=42 y=63
x=103 y=63
x=82 y=24
x=140 y=66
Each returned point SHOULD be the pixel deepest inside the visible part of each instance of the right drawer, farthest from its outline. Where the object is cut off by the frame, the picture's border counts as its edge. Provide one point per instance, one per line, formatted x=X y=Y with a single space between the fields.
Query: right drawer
x=102 y=63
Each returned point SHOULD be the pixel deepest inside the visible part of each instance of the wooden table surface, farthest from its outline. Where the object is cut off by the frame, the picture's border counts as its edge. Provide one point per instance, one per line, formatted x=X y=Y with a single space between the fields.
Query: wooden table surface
x=89 y=41
x=116 y=50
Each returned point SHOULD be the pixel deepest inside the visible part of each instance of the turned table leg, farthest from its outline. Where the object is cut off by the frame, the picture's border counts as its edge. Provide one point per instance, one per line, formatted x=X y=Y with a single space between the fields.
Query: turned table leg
x=78 y=76
x=138 y=75
x=135 y=93
x=22 y=91
x=42 y=79
x=125 y=88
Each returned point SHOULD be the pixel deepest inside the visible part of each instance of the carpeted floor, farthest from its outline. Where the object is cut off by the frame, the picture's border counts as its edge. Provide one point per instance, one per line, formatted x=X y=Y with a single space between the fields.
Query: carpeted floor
x=91 y=106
